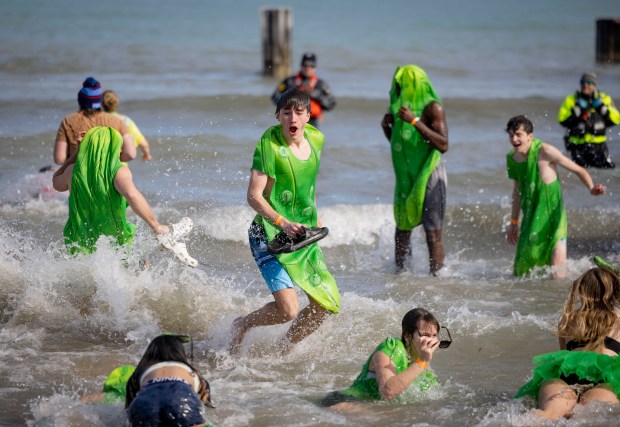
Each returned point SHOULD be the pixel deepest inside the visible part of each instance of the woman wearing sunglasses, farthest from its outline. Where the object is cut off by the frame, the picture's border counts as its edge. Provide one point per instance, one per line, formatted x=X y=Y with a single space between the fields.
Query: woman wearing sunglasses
x=165 y=388
x=396 y=364
x=587 y=368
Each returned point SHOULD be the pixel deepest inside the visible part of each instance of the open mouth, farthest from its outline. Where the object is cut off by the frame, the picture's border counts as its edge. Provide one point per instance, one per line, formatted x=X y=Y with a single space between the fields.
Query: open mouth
x=292 y=130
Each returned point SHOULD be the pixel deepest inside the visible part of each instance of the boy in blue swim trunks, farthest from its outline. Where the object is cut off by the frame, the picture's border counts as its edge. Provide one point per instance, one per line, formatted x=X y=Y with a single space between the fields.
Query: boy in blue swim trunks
x=282 y=192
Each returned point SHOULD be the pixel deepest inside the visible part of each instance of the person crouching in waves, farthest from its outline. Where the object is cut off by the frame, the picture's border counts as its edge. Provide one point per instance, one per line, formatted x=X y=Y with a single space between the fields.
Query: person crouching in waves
x=165 y=389
x=587 y=368
x=282 y=191
x=395 y=365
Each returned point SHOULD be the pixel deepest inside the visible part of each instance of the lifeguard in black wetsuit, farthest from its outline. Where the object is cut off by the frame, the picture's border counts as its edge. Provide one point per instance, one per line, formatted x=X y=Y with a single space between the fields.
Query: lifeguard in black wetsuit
x=321 y=98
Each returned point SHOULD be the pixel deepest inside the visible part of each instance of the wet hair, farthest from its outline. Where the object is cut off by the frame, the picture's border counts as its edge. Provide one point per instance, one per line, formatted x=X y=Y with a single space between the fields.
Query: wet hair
x=110 y=101
x=517 y=121
x=293 y=99
x=412 y=319
x=588 y=313
x=164 y=348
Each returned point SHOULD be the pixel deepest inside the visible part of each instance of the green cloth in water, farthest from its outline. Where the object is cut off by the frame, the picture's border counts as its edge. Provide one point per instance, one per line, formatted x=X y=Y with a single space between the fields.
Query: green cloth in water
x=544 y=218
x=413 y=158
x=115 y=385
x=96 y=208
x=586 y=365
x=293 y=196
x=365 y=387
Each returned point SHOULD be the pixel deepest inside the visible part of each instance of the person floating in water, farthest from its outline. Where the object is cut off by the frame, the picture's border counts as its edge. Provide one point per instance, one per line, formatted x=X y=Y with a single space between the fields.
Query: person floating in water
x=532 y=165
x=100 y=187
x=416 y=128
x=395 y=365
x=282 y=190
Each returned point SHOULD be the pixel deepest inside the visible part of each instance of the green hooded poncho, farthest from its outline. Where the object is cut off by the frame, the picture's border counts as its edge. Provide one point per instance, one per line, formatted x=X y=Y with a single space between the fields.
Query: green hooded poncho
x=413 y=158
x=293 y=196
x=96 y=208
x=544 y=217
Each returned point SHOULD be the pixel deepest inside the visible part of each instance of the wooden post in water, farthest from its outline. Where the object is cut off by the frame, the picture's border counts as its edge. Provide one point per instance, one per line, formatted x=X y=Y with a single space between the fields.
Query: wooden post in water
x=276 y=25
x=608 y=40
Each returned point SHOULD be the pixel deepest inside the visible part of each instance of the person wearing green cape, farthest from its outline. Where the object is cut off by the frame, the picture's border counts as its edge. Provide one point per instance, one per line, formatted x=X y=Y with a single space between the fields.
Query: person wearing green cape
x=282 y=190
x=416 y=128
x=100 y=188
x=587 y=367
x=532 y=165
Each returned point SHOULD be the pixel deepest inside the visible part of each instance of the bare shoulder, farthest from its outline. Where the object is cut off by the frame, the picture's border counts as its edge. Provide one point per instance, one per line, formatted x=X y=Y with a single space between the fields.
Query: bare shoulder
x=550 y=152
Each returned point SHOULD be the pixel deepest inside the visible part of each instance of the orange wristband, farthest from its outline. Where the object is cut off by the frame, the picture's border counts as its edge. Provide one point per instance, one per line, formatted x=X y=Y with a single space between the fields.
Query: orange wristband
x=514 y=221
x=278 y=220
x=413 y=121
x=422 y=363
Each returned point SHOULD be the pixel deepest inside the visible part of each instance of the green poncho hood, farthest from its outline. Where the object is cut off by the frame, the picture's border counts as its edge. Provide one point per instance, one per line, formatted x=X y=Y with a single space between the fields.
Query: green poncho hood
x=96 y=208
x=413 y=158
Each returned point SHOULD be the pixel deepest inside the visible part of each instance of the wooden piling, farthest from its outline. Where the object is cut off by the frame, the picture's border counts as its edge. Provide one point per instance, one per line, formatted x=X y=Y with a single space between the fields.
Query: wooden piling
x=608 y=40
x=276 y=26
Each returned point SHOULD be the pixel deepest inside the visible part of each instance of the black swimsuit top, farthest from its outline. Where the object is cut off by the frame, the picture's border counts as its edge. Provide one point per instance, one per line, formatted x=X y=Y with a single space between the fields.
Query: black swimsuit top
x=610 y=344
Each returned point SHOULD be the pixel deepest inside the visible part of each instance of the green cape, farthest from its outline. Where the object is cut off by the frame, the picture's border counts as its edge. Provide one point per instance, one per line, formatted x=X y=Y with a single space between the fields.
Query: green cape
x=293 y=196
x=96 y=208
x=544 y=217
x=413 y=158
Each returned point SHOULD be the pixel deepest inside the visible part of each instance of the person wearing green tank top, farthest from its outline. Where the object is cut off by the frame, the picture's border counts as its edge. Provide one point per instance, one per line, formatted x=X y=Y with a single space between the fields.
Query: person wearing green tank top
x=395 y=365
x=416 y=127
x=532 y=165
x=282 y=192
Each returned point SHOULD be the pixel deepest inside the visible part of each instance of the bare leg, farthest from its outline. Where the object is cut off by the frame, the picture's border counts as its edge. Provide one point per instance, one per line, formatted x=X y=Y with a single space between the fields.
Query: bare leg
x=282 y=310
x=555 y=399
x=600 y=393
x=558 y=260
x=402 y=247
x=436 y=253
x=308 y=321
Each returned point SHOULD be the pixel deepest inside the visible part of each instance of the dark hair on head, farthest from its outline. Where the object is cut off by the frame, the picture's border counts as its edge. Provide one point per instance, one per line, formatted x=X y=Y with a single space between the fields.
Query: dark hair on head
x=164 y=348
x=412 y=319
x=517 y=121
x=293 y=99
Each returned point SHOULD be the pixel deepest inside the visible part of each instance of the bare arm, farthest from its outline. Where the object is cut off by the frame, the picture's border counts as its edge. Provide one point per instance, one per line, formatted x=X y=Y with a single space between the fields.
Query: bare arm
x=128 y=152
x=432 y=125
x=259 y=183
x=513 y=229
x=146 y=150
x=554 y=155
x=386 y=125
x=61 y=147
x=123 y=183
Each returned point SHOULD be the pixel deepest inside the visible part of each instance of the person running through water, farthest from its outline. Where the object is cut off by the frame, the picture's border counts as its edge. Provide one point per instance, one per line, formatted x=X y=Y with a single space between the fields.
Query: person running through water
x=282 y=190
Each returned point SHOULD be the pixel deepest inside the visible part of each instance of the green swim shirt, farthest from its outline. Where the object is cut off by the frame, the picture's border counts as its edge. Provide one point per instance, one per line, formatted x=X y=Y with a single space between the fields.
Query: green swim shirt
x=96 y=208
x=365 y=386
x=544 y=217
x=293 y=196
x=414 y=160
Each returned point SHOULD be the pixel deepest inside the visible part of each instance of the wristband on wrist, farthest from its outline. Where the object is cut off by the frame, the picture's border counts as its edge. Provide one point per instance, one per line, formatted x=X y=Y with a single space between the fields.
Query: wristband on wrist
x=414 y=121
x=422 y=363
x=278 y=220
x=514 y=221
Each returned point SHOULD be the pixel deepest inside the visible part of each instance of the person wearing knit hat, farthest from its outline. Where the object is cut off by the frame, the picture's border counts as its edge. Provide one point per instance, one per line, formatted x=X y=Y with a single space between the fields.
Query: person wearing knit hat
x=110 y=105
x=586 y=115
x=88 y=116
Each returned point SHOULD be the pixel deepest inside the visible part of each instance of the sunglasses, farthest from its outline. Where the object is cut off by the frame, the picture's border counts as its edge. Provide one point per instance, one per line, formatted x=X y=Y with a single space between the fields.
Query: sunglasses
x=587 y=82
x=445 y=343
x=308 y=65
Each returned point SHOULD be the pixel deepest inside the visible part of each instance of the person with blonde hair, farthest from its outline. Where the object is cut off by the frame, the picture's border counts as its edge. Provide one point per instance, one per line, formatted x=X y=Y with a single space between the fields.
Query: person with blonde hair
x=110 y=105
x=587 y=368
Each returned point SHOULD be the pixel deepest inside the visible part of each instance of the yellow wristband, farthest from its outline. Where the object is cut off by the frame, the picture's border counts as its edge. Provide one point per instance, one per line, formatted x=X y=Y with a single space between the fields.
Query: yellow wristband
x=277 y=221
x=421 y=362
x=413 y=121
x=514 y=221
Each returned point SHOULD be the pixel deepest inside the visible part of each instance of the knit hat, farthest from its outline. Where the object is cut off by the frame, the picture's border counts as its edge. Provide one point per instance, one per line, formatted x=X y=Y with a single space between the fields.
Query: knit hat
x=110 y=101
x=589 y=76
x=308 y=57
x=89 y=97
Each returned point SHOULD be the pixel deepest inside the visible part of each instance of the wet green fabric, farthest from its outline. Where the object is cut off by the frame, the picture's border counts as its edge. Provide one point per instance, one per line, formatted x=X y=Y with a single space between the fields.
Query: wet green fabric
x=115 y=385
x=293 y=196
x=414 y=160
x=586 y=365
x=543 y=223
x=366 y=388
x=96 y=208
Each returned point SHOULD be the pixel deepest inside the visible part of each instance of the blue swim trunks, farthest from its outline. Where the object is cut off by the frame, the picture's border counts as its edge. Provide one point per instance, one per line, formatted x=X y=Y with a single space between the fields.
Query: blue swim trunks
x=274 y=274
x=171 y=402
